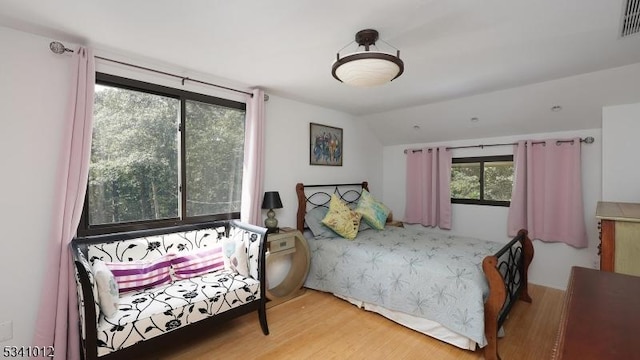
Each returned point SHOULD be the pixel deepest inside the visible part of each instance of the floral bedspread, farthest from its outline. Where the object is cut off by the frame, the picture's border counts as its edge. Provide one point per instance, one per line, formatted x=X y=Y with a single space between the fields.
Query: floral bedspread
x=412 y=270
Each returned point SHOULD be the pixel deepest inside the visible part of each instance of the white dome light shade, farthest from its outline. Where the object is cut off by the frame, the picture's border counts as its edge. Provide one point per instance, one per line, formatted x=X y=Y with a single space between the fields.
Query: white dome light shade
x=367 y=68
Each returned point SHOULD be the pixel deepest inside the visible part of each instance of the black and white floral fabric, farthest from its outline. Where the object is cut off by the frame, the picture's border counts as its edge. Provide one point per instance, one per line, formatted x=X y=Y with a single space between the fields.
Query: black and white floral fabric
x=147 y=313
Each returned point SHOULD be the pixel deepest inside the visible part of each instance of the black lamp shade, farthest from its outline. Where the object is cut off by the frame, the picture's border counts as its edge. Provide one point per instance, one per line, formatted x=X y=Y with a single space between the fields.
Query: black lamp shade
x=271 y=200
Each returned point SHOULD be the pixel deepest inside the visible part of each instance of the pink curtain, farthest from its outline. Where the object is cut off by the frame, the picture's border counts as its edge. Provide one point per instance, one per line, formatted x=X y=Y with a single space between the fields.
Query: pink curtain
x=547 y=192
x=57 y=320
x=428 y=197
x=253 y=168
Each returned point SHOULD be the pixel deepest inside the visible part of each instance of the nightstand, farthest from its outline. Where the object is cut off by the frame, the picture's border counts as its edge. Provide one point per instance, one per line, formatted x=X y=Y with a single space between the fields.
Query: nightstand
x=288 y=242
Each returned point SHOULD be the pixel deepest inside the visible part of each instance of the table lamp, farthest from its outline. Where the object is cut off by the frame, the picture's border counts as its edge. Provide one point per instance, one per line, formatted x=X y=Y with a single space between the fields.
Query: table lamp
x=271 y=201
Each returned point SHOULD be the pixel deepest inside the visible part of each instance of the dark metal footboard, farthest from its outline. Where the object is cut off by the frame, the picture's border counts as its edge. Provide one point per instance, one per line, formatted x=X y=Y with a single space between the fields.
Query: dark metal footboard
x=506 y=273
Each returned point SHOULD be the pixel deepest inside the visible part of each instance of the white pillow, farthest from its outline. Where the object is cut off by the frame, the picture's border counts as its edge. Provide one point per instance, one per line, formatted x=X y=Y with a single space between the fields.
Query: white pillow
x=108 y=298
x=235 y=254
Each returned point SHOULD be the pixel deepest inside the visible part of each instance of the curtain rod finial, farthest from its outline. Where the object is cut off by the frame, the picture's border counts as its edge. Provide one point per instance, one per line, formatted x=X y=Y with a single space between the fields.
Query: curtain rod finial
x=58 y=47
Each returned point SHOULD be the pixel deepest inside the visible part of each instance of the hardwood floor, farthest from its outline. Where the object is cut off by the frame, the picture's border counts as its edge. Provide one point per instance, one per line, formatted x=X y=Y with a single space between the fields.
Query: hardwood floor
x=320 y=326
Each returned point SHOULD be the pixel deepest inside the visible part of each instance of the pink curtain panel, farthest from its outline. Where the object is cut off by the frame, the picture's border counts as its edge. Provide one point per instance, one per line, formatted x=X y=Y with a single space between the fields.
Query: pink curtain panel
x=57 y=320
x=547 y=192
x=428 y=197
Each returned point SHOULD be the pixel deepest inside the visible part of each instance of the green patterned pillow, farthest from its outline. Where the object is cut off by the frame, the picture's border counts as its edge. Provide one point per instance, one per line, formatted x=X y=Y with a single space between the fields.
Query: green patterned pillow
x=341 y=219
x=373 y=211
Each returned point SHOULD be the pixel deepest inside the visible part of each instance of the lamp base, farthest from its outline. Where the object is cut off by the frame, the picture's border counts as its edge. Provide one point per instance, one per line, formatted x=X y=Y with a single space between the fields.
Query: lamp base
x=273 y=230
x=271 y=223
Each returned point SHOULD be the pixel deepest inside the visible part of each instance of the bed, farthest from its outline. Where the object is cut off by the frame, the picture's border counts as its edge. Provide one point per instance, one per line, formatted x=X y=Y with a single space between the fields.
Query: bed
x=456 y=289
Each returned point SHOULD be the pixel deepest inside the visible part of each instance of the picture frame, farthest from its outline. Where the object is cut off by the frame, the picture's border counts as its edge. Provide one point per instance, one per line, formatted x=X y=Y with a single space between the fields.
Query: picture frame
x=325 y=145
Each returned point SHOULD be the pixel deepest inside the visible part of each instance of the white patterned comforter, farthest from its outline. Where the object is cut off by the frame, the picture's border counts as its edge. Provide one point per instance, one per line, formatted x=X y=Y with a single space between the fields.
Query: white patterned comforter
x=434 y=276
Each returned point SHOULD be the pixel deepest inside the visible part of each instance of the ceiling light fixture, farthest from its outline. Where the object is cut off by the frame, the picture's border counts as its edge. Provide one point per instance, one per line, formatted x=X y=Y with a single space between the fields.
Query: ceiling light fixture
x=367 y=68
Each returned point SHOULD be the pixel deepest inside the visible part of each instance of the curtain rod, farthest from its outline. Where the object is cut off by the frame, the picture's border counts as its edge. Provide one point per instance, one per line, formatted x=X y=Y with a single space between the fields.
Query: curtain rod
x=587 y=140
x=59 y=48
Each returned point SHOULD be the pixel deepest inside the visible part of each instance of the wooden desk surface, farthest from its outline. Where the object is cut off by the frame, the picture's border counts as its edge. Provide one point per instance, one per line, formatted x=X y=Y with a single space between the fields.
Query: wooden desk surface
x=601 y=317
x=618 y=211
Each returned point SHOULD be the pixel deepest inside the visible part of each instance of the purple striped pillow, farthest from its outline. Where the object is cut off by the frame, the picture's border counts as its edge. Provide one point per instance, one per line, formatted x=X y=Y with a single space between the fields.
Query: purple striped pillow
x=198 y=262
x=141 y=274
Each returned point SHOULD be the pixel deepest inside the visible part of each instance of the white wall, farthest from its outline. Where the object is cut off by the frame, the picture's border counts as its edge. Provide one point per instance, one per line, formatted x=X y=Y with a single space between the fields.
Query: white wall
x=33 y=99
x=33 y=105
x=552 y=261
x=33 y=102
x=287 y=160
x=287 y=153
x=620 y=149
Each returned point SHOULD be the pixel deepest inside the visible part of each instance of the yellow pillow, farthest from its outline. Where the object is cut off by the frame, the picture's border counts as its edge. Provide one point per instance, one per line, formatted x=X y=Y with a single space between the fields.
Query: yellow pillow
x=341 y=219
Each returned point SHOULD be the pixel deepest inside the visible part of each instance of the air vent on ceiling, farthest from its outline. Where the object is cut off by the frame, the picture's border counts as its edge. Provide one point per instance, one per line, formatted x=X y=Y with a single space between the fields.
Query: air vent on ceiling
x=631 y=18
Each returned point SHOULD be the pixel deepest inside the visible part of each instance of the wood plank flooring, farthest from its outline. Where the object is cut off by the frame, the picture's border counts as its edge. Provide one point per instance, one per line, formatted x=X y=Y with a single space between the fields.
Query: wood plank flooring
x=320 y=326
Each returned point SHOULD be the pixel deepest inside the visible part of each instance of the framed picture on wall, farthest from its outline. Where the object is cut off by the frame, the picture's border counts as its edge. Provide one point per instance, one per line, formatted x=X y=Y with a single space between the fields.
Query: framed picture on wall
x=325 y=145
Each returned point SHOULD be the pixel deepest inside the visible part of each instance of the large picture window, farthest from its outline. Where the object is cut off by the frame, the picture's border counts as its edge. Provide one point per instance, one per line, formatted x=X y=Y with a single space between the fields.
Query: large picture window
x=484 y=180
x=161 y=156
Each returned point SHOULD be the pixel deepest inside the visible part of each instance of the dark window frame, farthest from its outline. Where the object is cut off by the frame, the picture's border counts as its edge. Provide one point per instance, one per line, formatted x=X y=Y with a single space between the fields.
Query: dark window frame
x=85 y=229
x=482 y=160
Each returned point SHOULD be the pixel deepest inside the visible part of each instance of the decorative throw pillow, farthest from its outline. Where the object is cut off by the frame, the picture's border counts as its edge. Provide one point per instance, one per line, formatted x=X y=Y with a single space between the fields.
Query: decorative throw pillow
x=107 y=288
x=341 y=219
x=363 y=224
x=373 y=211
x=141 y=274
x=235 y=253
x=314 y=217
x=196 y=263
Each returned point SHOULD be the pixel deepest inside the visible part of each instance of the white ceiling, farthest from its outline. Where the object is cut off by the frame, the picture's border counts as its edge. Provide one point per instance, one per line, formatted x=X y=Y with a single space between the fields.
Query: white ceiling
x=451 y=48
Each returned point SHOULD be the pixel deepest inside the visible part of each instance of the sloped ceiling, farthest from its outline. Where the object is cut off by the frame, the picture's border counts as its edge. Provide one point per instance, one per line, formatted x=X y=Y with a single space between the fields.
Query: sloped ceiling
x=451 y=48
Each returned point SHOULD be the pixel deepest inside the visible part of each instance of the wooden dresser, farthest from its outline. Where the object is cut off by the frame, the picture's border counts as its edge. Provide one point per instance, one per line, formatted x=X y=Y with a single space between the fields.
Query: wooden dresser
x=600 y=319
x=619 y=237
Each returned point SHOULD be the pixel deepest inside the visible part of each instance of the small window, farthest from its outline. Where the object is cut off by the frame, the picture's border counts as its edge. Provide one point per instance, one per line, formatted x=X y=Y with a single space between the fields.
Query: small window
x=484 y=180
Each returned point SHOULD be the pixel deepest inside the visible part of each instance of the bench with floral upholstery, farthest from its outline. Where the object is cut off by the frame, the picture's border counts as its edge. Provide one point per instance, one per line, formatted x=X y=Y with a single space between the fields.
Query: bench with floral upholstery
x=149 y=287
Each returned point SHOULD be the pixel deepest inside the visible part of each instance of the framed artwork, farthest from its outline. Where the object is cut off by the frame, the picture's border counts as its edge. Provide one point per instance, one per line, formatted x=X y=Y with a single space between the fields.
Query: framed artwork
x=325 y=145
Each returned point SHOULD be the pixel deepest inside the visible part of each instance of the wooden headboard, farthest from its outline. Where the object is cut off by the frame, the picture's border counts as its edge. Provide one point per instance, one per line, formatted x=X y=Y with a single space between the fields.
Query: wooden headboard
x=320 y=195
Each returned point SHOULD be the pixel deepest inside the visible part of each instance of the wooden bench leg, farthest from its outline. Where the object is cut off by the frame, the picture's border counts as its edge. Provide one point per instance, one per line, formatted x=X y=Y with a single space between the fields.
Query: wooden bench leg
x=262 y=314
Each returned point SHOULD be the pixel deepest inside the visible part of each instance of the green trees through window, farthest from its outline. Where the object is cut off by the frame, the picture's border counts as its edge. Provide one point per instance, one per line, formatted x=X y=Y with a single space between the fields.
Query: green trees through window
x=214 y=142
x=482 y=180
x=145 y=171
x=133 y=174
